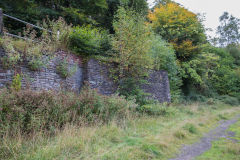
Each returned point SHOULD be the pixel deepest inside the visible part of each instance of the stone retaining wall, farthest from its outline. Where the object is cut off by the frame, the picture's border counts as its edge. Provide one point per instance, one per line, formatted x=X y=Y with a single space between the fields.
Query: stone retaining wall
x=93 y=72
x=47 y=78
x=98 y=78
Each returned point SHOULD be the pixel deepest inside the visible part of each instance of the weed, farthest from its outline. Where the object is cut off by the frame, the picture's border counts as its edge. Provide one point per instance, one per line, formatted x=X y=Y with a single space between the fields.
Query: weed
x=16 y=83
x=64 y=70
x=157 y=109
x=180 y=135
x=152 y=149
x=190 y=128
x=223 y=117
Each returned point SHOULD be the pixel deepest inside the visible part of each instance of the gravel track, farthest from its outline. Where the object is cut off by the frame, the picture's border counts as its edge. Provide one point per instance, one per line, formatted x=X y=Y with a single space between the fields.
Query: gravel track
x=189 y=152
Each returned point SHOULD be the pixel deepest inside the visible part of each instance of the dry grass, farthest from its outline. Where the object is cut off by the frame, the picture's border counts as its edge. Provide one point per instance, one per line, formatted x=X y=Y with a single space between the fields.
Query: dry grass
x=138 y=138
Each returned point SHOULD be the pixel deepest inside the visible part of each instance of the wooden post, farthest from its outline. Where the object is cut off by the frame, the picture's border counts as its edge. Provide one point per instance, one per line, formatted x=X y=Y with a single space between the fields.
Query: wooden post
x=1 y=21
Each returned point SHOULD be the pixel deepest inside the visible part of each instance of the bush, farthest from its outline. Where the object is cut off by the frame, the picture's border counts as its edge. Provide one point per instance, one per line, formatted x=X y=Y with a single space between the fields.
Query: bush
x=12 y=57
x=131 y=89
x=234 y=50
x=36 y=63
x=27 y=111
x=190 y=128
x=16 y=83
x=64 y=70
x=86 y=40
x=35 y=46
x=165 y=59
x=229 y=100
x=131 y=44
x=196 y=97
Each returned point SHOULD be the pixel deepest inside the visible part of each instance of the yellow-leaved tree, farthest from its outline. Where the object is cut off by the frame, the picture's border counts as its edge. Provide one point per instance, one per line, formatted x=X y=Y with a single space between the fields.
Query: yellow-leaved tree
x=184 y=30
x=180 y=27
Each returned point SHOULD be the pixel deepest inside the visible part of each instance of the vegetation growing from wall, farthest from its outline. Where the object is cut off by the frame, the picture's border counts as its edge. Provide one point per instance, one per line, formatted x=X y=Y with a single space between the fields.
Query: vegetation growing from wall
x=131 y=44
x=33 y=49
x=164 y=58
x=87 y=40
x=64 y=70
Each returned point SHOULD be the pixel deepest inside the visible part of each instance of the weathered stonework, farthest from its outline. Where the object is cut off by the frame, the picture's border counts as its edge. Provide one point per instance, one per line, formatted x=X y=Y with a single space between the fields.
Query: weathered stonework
x=93 y=72
x=158 y=86
x=47 y=78
x=97 y=76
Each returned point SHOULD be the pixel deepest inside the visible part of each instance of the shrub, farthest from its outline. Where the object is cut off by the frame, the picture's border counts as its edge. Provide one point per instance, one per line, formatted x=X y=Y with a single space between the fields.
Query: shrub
x=190 y=128
x=234 y=50
x=195 y=97
x=229 y=100
x=28 y=111
x=86 y=40
x=131 y=89
x=165 y=59
x=64 y=70
x=36 y=63
x=34 y=45
x=16 y=83
x=12 y=57
x=131 y=45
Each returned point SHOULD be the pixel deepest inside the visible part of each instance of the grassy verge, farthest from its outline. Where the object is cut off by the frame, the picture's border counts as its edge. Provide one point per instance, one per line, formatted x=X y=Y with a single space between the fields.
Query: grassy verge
x=225 y=149
x=144 y=137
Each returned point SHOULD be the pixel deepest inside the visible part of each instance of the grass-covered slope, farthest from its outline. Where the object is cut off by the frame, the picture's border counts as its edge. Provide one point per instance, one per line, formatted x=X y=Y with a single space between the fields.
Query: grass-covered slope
x=136 y=136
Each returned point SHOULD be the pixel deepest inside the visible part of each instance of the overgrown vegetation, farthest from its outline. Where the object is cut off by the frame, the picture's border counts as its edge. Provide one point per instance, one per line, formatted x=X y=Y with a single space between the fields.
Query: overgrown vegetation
x=47 y=125
x=128 y=125
x=28 y=111
x=202 y=69
x=64 y=69
x=178 y=44
x=131 y=45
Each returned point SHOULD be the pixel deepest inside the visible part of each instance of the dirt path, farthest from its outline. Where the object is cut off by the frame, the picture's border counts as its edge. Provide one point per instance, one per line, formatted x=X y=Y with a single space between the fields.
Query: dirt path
x=189 y=152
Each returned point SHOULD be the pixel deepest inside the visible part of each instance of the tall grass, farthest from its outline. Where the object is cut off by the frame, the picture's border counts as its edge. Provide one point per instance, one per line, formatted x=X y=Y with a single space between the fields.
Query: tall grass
x=28 y=111
x=50 y=125
x=138 y=137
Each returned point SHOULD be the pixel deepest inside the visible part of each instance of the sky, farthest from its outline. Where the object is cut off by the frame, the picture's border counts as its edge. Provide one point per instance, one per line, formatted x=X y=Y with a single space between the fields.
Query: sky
x=212 y=9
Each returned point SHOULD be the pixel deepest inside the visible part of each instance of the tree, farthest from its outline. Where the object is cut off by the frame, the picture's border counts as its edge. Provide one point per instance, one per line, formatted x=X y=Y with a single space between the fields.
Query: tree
x=163 y=2
x=180 y=27
x=132 y=43
x=139 y=6
x=229 y=30
x=183 y=29
x=77 y=12
x=165 y=59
